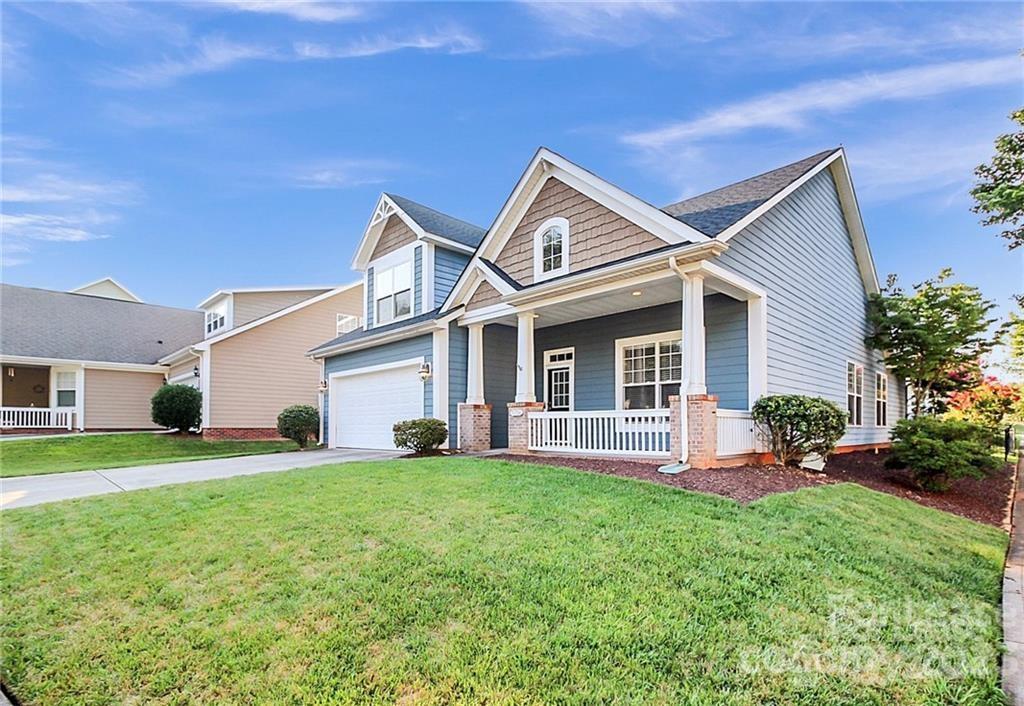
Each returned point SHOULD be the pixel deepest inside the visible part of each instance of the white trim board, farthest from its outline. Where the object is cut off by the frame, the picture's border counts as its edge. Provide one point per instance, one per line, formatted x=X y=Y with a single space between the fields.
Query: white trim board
x=95 y=364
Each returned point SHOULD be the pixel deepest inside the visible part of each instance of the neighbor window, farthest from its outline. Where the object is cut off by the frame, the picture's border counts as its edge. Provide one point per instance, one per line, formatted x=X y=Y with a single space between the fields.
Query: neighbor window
x=392 y=289
x=346 y=323
x=65 y=389
x=854 y=394
x=652 y=370
x=551 y=248
x=214 y=321
x=881 y=400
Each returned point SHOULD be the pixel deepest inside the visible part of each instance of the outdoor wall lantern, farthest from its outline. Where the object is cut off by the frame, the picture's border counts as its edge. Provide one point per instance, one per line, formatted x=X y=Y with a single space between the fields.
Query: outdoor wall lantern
x=195 y=371
x=322 y=386
x=425 y=372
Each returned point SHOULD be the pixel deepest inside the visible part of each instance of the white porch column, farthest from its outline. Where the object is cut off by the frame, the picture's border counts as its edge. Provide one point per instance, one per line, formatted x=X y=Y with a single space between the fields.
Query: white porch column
x=694 y=362
x=757 y=348
x=475 y=368
x=525 y=389
x=80 y=398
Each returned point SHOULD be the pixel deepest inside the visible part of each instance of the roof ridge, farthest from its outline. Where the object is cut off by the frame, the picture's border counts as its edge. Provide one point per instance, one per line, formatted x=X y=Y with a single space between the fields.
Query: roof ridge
x=97 y=296
x=431 y=208
x=820 y=155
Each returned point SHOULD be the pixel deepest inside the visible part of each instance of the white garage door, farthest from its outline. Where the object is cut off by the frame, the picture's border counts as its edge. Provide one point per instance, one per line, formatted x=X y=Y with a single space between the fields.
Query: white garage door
x=365 y=406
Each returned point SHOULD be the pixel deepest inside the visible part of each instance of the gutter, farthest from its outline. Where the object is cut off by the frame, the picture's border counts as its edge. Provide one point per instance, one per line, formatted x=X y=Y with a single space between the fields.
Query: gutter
x=386 y=336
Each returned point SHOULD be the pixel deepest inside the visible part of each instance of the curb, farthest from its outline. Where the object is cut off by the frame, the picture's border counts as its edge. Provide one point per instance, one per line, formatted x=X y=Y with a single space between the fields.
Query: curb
x=1013 y=596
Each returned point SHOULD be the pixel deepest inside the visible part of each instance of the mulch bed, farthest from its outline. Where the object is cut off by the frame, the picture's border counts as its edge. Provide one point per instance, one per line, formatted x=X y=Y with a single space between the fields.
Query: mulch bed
x=984 y=500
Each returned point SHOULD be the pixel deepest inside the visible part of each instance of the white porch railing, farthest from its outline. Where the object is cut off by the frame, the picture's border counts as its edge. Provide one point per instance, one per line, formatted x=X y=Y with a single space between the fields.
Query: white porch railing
x=737 y=434
x=37 y=417
x=642 y=432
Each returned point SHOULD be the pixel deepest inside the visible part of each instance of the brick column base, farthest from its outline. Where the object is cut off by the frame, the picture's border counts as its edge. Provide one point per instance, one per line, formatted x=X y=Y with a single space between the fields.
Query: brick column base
x=702 y=427
x=518 y=427
x=474 y=427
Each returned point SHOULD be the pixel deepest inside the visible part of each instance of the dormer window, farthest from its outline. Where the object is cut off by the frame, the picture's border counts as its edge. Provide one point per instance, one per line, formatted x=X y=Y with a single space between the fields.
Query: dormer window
x=214 y=321
x=392 y=290
x=551 y=249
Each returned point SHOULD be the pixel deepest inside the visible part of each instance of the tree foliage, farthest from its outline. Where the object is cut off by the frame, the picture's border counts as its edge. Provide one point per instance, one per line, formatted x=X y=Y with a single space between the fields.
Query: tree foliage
x=796 y=425
x=1000 y=188
x=177 y=407
x=988 y=404
x=933 y=338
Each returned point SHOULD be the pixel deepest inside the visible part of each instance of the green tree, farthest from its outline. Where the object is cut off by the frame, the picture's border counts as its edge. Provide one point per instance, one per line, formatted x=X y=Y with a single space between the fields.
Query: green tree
x=1000 y=188
x=929 y=337
x=1015 y=343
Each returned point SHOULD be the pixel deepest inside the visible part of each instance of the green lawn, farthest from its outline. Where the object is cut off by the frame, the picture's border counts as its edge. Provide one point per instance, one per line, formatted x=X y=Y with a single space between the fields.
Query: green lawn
x=444 y=581
x=79 y=453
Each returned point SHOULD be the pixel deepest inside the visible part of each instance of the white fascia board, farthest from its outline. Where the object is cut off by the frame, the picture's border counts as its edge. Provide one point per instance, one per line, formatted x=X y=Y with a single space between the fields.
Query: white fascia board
x=855 y=222
x=487 y=314
x=494 y=280
x=213 y=298
x=375 y=227
x=180 y=355
x=375 y=340
x=97 y=364
x=205 y=345
x=446 y=243
x=257 y=290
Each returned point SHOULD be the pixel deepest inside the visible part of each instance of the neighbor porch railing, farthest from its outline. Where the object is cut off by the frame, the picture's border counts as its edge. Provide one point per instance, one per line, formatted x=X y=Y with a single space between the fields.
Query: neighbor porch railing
x=737 y=434
x=605 y=433
x=37 y=417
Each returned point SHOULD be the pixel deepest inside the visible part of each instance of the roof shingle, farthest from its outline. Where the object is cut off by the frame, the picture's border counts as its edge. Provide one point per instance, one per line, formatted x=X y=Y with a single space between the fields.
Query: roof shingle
x=439 y=223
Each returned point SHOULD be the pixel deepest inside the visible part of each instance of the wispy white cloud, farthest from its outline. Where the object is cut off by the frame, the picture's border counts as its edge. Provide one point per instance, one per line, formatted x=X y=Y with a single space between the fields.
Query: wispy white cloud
x=210 y=54
x=46 y=201
x=453 y=40
x=791 y=109
x=107 y=21
x=301 y=10
x=625 y=23
x=341 y=173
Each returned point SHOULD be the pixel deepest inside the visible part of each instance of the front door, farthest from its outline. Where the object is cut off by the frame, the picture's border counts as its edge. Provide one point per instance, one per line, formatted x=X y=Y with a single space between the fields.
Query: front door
x=559 y=389
x=558 y=395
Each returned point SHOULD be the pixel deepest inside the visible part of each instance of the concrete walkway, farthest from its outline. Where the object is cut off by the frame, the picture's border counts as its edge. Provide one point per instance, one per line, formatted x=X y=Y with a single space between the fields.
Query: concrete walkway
x=1013 y=599
x=33 y=490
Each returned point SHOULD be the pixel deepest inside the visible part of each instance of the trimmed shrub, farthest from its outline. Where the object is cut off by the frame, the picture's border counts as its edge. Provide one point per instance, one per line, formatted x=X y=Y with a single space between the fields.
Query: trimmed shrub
x=938 y=451
x=796 y=425
x=298 y=423
x=177 y=407
x=420 y=435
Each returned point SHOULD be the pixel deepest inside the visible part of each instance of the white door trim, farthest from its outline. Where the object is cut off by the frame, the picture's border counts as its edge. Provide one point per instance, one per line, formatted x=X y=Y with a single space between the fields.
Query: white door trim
x=570 y=364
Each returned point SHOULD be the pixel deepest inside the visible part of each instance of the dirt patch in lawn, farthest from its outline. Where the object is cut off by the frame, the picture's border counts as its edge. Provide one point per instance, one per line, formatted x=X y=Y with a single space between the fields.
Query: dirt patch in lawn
x=983 y=500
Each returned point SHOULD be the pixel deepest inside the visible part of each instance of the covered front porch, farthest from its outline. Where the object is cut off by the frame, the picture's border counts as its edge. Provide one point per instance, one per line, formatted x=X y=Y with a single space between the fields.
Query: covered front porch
x=662 y=364
x=41 y=397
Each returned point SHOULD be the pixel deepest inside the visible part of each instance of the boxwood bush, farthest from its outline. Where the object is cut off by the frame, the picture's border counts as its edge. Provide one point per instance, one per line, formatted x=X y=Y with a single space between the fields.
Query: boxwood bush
x=299 y=423
x=420 y=435
x=796 y=425
x=177 y=407
x=938 y=451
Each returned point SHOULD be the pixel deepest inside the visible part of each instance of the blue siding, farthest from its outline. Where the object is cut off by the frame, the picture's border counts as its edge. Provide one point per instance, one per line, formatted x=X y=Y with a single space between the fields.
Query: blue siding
x=417 y=281
x=458 y=360
x=448 y=265
x=594 y=341
x=801 y=253
x=369 y=297
x=387 y=353
x=499 y=378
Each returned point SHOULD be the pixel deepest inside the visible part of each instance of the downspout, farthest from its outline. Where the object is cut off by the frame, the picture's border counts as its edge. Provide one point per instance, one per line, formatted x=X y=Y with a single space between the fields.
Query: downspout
x=684 y=433
x=320 y=399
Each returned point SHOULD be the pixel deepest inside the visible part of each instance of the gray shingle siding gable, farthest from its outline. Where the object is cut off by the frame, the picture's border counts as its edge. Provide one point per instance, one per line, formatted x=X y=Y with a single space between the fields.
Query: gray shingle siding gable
x=801 y=253
x=380 y=355
x=448 y=266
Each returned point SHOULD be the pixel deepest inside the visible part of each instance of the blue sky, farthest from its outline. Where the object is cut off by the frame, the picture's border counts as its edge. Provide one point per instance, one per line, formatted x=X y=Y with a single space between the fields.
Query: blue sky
x=185 y=147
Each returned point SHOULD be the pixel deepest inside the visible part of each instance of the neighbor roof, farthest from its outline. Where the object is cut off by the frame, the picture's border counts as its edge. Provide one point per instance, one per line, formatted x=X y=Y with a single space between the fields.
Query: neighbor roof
x=439 y=223
x=361 y=333
x=43 y=323
x=715 y=211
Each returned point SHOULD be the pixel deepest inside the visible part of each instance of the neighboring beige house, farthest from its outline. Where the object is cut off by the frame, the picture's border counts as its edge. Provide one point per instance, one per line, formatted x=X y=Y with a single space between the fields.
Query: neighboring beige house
x=87 y=359
x=252 y=362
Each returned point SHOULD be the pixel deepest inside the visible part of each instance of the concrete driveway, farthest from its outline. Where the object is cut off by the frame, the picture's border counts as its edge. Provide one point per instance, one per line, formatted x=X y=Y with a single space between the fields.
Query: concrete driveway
x=33 y=490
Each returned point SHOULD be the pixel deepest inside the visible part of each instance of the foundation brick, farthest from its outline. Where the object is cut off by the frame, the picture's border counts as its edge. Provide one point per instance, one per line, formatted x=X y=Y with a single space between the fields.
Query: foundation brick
x=474 y=427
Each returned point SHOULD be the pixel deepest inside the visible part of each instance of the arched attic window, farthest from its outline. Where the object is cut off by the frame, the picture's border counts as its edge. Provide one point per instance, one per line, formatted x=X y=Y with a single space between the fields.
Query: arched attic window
x=551 y=249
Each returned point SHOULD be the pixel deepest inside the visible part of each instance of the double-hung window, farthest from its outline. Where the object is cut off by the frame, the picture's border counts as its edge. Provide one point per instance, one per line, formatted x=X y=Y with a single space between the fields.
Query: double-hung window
x=65 y=384
x=392 y=289
x=881 y=400
x=651 y=371
x=214 y=321
x=854 y=394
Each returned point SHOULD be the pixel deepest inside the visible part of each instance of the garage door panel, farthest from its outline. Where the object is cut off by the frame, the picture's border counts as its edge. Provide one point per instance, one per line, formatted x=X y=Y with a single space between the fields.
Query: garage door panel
x=367 y=405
